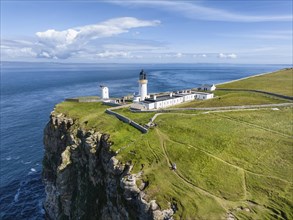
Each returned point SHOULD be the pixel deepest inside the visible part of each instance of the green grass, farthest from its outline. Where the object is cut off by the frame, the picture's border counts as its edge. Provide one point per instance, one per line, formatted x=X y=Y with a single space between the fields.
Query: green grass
x=93 y=116
x=280 y=120
x=220 y=147
x=207 y=172
x=280 y=82
x=225 y=98
x=84 y=98
x=221 y=161
x=226 y=161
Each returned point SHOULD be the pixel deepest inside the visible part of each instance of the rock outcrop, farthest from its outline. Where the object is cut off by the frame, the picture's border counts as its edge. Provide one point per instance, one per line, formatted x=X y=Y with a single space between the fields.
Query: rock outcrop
x=84 y=180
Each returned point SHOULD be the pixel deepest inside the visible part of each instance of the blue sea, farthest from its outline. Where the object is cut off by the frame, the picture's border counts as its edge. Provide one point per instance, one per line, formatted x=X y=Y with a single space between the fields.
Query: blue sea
x=29 y=92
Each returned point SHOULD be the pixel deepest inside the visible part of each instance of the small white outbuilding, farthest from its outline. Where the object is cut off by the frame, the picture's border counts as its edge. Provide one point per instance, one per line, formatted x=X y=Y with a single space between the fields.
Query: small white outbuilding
x=207 y=87
x=104 y=92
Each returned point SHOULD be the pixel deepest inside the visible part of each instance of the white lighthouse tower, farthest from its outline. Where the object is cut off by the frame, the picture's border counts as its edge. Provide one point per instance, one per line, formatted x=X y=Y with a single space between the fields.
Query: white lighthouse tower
x=143 y=85
x=104 y=92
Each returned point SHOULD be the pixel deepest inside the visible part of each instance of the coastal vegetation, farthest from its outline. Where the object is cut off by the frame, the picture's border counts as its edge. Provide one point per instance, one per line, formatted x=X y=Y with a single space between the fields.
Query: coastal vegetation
x=237 y=163
x=280 y=82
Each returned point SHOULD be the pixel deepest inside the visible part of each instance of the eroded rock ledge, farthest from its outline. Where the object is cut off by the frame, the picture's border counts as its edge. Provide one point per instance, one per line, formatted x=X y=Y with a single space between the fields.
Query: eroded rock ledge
x=84 y=180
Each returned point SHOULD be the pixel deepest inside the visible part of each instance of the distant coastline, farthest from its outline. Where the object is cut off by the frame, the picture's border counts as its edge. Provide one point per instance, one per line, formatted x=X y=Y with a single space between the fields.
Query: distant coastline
x=247 y=77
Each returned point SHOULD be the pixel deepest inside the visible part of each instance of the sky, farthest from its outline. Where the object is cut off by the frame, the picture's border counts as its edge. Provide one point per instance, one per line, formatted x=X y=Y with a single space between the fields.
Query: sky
x=147 y=31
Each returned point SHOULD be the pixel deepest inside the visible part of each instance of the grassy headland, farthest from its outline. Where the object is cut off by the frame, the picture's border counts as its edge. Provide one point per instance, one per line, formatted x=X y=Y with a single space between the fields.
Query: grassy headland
x=238 y=162
x=280 y=82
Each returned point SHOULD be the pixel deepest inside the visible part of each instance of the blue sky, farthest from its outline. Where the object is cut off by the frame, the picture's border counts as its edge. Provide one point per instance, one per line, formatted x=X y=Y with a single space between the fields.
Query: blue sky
x=203 y=31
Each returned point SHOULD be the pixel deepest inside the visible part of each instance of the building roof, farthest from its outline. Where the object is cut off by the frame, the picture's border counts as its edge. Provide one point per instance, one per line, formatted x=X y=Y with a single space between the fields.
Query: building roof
x=207 y=85
x=165 y=97
x=202 y=93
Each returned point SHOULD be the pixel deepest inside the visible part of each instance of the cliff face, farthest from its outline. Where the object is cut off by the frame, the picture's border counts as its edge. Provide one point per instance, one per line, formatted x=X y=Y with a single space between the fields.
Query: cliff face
x=84 y=180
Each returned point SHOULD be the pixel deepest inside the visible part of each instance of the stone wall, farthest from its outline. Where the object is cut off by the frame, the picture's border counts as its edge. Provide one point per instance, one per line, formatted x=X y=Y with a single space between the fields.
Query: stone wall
x=128 y=121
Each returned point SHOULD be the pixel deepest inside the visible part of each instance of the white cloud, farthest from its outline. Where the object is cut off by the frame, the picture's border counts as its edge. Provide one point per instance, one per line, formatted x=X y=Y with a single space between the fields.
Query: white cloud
x=200 y=55
x=232 y=56
x=196 y=11
x=132 y=47
x=113 y=54
x=221 y=55
x=84 y=41
x=88 y=32
x=44 y=54
x=229 y=56
x=17 y=49
x=174 y=55
x=66 y=43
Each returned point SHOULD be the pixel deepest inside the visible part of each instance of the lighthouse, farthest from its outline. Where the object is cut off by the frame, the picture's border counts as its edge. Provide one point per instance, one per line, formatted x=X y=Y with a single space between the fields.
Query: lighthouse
x=143 y=85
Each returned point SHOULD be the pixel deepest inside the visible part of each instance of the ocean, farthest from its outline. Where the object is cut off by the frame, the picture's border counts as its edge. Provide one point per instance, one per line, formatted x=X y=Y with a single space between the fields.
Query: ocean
x=29 y=92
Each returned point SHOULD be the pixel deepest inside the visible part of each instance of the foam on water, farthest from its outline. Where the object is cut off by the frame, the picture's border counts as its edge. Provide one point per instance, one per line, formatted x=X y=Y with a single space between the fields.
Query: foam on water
x=16 y=195
x=8 y=158
x=27 y=162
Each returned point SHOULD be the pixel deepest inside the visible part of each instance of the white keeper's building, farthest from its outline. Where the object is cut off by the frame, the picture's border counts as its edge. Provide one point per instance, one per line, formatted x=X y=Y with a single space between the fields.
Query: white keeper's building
x=164 y=101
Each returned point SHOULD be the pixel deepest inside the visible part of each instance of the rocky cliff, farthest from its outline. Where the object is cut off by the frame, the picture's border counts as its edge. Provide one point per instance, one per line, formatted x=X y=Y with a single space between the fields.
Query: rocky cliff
x=84 y=180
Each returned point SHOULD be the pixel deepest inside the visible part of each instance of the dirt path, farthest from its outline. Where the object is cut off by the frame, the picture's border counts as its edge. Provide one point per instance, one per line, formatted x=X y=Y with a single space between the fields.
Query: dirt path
x=182 y=113
x=165 y=137
x=240 y=107
x=162 y=138
x=221 y=201
x=153 y=152
x=230 y=118
x=230 y=164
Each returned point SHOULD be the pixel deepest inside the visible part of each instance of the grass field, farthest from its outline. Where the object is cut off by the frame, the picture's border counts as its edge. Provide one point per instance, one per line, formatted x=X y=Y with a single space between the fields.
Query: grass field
x=232 y=98
x=280 y=82
x=226 y=161
x=238 y=162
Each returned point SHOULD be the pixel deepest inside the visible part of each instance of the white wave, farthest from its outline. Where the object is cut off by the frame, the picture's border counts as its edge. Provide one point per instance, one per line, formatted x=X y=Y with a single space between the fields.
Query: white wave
x=33 y=170
x=16 y=195
x=27 y=162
